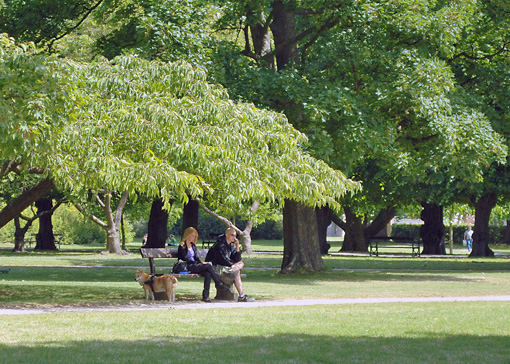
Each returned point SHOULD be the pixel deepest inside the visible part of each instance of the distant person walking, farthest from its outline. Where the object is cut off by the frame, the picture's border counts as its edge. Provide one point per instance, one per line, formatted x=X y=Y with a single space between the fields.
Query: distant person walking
x=468 y=237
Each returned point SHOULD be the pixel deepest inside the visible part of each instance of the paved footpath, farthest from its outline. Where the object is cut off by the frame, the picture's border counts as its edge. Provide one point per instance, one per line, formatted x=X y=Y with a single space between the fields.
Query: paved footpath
x=225 y=304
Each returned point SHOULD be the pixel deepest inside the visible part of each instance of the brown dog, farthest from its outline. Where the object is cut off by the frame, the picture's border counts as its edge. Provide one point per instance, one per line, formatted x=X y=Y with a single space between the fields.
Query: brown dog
x=151 y=283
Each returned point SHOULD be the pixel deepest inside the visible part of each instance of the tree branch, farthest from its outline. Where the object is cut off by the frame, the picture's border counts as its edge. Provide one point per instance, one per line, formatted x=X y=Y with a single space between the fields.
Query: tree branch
x=91 y=217
x=69 y=30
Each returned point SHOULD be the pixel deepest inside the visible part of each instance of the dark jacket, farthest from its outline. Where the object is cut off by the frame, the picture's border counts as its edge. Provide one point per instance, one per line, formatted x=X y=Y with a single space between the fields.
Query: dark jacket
x=182 y=251
x=222 y=253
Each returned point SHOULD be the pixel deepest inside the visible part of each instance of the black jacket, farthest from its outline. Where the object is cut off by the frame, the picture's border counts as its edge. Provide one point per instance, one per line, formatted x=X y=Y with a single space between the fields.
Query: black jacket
x=182 y=251
x=222 y=253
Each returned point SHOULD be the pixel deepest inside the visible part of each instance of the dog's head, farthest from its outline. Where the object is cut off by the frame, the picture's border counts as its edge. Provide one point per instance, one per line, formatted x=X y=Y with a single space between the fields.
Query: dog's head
x=141 y=276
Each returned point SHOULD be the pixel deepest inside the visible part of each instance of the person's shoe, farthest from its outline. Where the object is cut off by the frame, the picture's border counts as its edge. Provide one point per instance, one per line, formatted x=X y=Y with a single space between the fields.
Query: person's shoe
x=245 y=298
x=207 y=299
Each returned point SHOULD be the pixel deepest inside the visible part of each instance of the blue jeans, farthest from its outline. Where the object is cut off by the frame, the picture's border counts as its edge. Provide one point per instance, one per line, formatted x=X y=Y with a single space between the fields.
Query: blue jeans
x=469 y=243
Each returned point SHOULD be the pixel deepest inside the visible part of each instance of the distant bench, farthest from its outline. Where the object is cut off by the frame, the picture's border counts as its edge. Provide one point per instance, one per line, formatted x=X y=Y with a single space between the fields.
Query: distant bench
x=152 y=253
x=394 y=242
x=59 y=237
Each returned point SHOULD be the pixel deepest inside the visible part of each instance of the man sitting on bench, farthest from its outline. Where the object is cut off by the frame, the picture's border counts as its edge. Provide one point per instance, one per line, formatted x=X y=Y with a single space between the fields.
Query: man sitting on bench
x=225 y=255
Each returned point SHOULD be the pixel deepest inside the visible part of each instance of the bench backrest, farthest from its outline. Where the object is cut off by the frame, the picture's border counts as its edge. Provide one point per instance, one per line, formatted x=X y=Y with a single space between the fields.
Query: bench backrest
x=166 y=252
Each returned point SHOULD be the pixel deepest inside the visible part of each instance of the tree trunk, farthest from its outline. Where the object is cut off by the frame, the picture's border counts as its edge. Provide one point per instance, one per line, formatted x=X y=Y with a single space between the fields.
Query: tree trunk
x=433 y=230
x=190 y=215
x=358 y=232
x=354 y=227
x=45 y=240
x=300 y=239
x=260 y=37
x=323 y=221
x=19 y=234
x=245 y=236
x=283 y=28
x=483 y=209
x=157 y=227
x=113 y=230
x=28 y=197
x=506 y=233
x=123 y=231
x=380 y=222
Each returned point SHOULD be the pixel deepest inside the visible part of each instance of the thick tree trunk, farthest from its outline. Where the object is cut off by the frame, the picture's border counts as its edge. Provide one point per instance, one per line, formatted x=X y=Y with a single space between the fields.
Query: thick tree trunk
x=433 y=230
x=323 y=220
x=190 y=214
x=157 y=226
x=113 y=241
x=380 y=222
x=300 y=239
x=358 y=232
x=283 y=28
x=354 y=227
x=483 y=209
x=16 y=207
x=45 y=240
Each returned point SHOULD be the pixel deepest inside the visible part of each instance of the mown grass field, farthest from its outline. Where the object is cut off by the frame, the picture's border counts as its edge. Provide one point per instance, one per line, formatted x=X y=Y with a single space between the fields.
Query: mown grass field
x=425 y=332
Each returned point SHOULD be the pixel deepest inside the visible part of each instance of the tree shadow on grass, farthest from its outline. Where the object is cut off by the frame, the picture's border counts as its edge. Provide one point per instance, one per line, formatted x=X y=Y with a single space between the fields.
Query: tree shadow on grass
x=278 y=348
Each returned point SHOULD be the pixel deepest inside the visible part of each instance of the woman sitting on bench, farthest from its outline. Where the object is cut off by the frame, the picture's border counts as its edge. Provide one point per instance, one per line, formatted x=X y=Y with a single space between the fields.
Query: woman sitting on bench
x=187 y=251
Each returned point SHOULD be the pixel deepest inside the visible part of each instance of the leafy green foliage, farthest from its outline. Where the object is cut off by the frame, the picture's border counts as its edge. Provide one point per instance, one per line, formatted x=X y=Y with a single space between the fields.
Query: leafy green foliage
x=153 y=128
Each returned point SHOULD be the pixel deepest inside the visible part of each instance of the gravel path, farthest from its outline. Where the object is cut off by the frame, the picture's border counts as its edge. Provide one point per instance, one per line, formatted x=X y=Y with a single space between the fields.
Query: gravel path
x=224 y=304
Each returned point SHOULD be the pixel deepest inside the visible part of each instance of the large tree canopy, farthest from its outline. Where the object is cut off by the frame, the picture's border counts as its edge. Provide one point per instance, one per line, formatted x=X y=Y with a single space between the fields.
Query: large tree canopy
x=154 y=128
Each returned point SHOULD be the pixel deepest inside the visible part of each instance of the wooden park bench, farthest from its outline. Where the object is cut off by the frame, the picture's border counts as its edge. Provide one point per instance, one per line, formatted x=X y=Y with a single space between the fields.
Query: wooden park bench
x=169 y=253
x=394 y=242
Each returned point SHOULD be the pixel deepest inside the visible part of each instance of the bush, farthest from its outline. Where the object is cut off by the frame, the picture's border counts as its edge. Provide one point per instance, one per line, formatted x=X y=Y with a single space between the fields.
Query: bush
x=78 y=230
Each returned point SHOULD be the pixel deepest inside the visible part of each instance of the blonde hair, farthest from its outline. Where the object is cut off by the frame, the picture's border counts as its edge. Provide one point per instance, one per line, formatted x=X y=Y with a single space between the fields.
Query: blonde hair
x=230 y=229
x=187 y=233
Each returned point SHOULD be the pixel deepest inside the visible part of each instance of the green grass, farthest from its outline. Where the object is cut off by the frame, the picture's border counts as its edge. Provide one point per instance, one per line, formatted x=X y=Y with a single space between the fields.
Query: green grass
x=363 y=333
x=453 y=332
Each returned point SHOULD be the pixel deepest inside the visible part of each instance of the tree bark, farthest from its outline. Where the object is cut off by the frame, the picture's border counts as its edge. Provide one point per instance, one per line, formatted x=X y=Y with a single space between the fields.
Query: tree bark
x=354 y=227
x=157 y=226
x=190 y=214
x=284 y=29
x=506 y=233
x=28 y=197
x=433 y=230
x=483 y=209
x=300 y=239
x=45 y=240
x=380 y=222
x=112 y=224
x=113 y=230
x=323 y=221
x=245 y=234
x=357 y=229
x=19 y=234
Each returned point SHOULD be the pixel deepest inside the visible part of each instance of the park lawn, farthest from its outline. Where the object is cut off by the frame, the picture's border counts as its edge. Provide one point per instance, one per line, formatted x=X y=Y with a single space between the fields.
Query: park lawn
x=449 y=332
x=460 y=332
x=92 y=278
